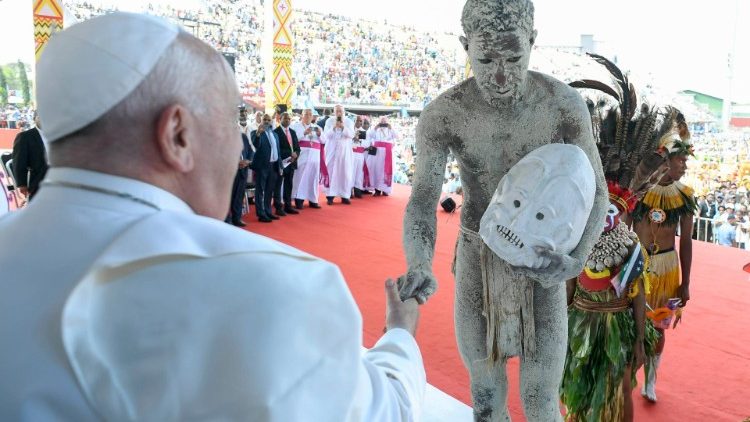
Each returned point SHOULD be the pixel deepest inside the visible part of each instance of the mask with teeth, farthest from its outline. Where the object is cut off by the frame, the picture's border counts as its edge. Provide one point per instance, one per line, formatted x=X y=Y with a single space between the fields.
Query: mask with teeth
x=542 y=203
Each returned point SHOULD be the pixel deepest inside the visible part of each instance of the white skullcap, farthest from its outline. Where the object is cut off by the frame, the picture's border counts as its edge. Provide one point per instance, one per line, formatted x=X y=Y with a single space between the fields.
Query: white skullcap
x=92 y=66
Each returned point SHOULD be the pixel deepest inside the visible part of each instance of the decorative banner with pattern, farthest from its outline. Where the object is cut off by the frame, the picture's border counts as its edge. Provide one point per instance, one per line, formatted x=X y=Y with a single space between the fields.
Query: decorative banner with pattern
x=48 y=19
x=282 y=54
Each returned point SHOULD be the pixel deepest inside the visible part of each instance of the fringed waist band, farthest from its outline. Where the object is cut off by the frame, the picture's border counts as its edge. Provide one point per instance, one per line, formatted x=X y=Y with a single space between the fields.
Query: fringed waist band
x=617 y=305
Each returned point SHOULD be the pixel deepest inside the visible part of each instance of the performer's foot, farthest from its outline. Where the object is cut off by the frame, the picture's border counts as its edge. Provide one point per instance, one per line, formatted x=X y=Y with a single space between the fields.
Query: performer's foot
x=315 y=205
x=329 y=199
x=291 y=210
x=346 y=201
x=280 y=212
x=649 y=385
x=649 y=393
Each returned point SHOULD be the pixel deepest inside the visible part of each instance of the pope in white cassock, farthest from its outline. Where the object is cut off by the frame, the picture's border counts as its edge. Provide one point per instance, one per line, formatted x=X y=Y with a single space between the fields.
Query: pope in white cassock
x=123 y=295
x=337 y=137
x=306 y=186
x=380 y=166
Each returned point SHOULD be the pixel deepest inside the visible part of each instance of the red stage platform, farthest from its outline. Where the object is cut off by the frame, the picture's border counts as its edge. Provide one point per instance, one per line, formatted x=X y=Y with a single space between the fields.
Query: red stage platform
x=7 y=136
x=705 y=372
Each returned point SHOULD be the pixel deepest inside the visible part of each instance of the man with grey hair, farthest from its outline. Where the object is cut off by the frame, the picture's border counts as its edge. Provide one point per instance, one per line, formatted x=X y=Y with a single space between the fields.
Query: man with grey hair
x=489 y=122
x=337 y=135
x=145 y=306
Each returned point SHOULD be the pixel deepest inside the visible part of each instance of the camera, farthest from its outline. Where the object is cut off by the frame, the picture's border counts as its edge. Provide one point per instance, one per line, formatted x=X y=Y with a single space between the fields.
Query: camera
x=339 y=119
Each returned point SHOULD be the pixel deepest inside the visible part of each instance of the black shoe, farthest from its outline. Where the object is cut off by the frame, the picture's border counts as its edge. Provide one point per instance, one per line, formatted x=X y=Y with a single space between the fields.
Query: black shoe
x=239 y=223
x=385 y=194
x=299 y=204
x=291 y=210
x=264 y=219
x=315 y=205
x=280 y=212
x=377 y=192
x=346 y=201
x=273 y=217
x=329 y=199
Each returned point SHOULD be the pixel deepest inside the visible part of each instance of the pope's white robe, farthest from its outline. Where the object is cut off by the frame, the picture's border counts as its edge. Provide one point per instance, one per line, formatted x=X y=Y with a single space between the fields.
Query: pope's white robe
x=306 y=184
x=122 y=312
x=339 y=157
x=380 y=137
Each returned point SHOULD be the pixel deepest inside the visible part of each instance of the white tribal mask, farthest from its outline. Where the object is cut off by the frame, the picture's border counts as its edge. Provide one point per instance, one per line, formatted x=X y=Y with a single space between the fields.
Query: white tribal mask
x=543 y=202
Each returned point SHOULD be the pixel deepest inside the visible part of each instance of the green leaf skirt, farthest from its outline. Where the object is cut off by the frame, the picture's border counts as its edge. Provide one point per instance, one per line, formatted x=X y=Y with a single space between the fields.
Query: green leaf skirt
x=600 y=347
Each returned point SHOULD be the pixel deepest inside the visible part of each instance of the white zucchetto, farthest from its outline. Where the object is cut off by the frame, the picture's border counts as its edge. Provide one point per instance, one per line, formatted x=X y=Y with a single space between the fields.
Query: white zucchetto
x=92 y=66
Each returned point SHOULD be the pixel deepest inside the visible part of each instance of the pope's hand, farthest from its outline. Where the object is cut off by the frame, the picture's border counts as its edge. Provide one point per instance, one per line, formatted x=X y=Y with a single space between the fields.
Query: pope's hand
x=556 y=268
x=417 y=284
x=399 y=314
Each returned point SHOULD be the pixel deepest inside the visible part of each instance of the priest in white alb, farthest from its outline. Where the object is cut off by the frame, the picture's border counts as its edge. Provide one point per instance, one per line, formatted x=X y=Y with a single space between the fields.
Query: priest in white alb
x=307 y=178
x=383 y=137
x=125 y=298
x=337 y=137
x=359 y=148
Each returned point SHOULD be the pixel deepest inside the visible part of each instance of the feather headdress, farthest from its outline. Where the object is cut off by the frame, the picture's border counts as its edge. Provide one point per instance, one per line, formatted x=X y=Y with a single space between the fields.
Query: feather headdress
x=628 y=137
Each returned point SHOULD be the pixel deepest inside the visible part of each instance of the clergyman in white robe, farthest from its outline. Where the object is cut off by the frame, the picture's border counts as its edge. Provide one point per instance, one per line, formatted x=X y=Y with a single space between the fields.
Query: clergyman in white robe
x=339 y=158
x=306 y=186
x=380 y=166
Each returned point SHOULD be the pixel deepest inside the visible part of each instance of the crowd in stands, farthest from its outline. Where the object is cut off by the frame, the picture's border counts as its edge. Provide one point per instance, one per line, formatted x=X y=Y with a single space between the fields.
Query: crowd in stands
x=15 y=117
x=356 y=61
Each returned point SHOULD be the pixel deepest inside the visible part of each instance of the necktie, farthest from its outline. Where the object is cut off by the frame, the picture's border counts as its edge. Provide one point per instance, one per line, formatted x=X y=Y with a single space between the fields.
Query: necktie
x=288 y=137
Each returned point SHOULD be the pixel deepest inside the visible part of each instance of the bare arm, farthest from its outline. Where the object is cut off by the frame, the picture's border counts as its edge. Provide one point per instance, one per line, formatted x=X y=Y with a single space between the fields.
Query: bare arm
x=639 y=314
x=577 y=131
x=420 y=220
x=686 y=256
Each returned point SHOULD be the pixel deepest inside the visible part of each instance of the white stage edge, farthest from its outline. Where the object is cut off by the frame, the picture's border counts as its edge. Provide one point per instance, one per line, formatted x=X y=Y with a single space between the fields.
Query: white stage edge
x=440 y=407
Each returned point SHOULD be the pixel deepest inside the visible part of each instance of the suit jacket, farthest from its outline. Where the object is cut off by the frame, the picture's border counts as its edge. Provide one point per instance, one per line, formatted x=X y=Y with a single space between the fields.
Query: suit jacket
x=29 y=159
x=247 y=154
x=286 y=149
x=262 y=145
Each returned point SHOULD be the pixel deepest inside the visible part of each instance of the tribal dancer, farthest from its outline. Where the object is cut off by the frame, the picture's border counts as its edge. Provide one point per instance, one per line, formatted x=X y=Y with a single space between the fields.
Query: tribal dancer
x=656 y=218
x=609 y=336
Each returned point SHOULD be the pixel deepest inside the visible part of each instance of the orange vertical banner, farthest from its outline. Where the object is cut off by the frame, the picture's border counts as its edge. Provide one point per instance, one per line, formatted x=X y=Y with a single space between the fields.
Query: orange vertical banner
x=48 y=19
x=282 y=54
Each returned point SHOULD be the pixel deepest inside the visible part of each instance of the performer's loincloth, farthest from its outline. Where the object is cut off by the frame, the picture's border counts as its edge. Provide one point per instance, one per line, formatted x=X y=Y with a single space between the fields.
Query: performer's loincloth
x=508 y=305
x=664 y=277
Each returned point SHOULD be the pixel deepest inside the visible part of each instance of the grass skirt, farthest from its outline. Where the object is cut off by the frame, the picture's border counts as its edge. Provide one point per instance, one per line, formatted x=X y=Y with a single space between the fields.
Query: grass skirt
x=664 y=278
x=600 y=346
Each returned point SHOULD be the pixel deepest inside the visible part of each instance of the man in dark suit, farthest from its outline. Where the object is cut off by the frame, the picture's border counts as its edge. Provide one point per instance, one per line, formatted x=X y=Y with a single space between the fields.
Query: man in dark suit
x=289 y=153
x=29 y=160
x=240 y=181
x=267 y=168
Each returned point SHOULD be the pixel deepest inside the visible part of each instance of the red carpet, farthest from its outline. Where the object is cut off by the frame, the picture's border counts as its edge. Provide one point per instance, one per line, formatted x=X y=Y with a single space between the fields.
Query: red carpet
x=6 y=138
x=705 y=371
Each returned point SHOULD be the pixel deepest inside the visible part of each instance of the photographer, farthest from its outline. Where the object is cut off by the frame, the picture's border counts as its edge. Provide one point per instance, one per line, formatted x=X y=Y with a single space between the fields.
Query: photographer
x=380 y=166
x=337 y=136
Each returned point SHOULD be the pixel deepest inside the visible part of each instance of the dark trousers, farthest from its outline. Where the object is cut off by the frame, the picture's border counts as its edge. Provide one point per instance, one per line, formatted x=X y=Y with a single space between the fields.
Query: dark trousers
x=264 y=185
x=286 y=180
x=238 y=196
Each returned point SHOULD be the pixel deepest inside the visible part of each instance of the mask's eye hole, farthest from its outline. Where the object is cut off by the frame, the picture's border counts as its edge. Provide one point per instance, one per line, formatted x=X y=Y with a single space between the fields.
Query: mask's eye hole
x=539 y=216
x=517 y=203
x=485 y=61
x=514 y=60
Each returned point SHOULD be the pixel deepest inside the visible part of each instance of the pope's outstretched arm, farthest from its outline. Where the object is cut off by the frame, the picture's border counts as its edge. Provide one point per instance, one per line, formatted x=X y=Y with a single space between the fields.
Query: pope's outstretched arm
x=420 y=220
